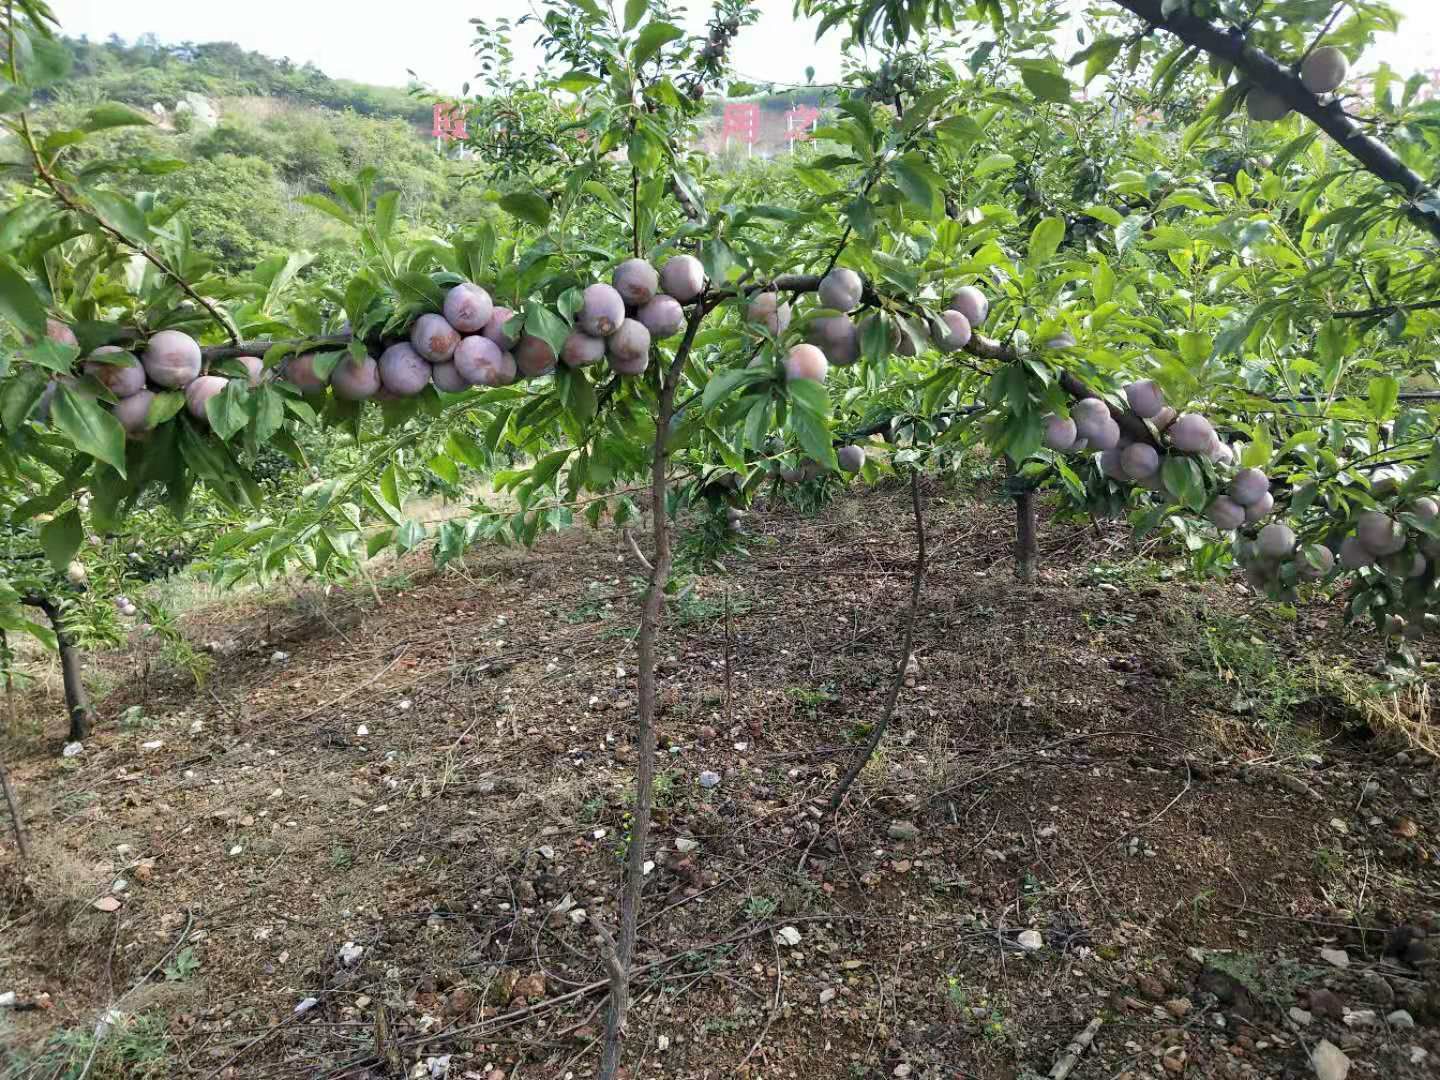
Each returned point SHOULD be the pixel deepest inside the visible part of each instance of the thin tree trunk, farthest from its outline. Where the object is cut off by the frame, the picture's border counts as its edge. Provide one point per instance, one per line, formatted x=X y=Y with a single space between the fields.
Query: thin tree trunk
x=77 y=701
x=7 y=658
x=1025 y=535
x=917 y=581
x=651 y=613
x=22 y=839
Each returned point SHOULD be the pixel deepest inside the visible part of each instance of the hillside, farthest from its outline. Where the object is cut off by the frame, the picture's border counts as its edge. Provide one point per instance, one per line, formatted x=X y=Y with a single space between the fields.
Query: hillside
x=255 y=134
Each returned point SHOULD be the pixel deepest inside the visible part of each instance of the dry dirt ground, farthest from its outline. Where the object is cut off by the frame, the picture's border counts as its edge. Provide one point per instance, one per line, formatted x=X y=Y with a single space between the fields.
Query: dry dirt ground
x=371 y=845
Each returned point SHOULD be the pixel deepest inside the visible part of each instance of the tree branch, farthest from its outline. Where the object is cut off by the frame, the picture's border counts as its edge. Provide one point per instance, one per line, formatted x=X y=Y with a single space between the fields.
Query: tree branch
x=1268 y=74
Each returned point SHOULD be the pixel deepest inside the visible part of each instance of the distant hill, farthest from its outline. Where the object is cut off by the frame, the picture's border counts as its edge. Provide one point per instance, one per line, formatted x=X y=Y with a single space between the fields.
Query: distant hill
x=148 y=72
x=257 y=134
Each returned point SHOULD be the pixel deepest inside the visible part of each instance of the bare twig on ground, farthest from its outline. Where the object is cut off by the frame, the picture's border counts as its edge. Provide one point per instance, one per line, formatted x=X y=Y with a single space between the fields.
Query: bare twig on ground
x=22 y=839
x=1078 y=1046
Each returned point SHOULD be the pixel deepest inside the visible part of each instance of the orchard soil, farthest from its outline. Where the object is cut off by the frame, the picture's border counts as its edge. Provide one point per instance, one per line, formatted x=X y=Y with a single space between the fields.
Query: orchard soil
x=372 y=844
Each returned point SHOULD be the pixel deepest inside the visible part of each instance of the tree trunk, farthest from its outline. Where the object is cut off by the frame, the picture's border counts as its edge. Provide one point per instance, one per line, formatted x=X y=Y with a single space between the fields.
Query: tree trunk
x=650 y=615
x=1025 y=535
x=77 y=701
x=7 y=658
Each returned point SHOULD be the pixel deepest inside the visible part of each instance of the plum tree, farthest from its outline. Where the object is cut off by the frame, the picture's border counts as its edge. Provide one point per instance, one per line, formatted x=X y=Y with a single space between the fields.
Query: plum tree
x=765 y=309
x=841 y=289
x=837 y=337
x=851 y=458
x=403 y=371
x=629 y=348
x=972 y=303
x=118 y=372
x=172 y=359
x=534 y=356
x=636 y=281
x=432 y=337
x=602 y=310
x=356 y=379
x=468 y=308
x=662 y=316
x=682 y=278
x=806 y=362
x=1324 y=70
x=581 y=349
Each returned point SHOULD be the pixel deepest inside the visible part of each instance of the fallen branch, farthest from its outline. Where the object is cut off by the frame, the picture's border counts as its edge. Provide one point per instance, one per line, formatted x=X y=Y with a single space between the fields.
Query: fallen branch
x=1078 y=1046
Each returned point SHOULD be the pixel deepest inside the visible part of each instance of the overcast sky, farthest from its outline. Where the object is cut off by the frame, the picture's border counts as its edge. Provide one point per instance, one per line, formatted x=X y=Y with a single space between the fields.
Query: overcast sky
x=433 y=37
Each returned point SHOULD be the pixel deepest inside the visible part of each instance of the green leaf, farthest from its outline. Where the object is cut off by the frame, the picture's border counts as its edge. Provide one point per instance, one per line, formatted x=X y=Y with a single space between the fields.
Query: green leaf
x=992 y=164
x=164 y=408
x=121 y=213
x=653 y=38
x=1045 y=240
x=19 y=303
x=90 y=429
x=18 y=396
x=328 y=206
x=634 y=12
x=575 y=81
x=61 y=538
x=1109 y=215
x=1384 y=393
x=414 y=285
x=1042 y=80
x=528 y=207
x=227 y=410
x=545 y=324
x=916 y=180
x=722 y=384
x=113 y=115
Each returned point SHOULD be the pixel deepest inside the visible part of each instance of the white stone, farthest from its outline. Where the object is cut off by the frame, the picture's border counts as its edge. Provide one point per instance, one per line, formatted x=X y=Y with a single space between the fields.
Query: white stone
x=72 y=748
x=1030 y=940
x=1400 y=1019
x=306 y=1004
x=1300 y=1016
x=1330 y=1061
x=827 y=995
x=685 y=844
x=350 y=953
x=1337 y=957
x=788 y=935
x=362 y=730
